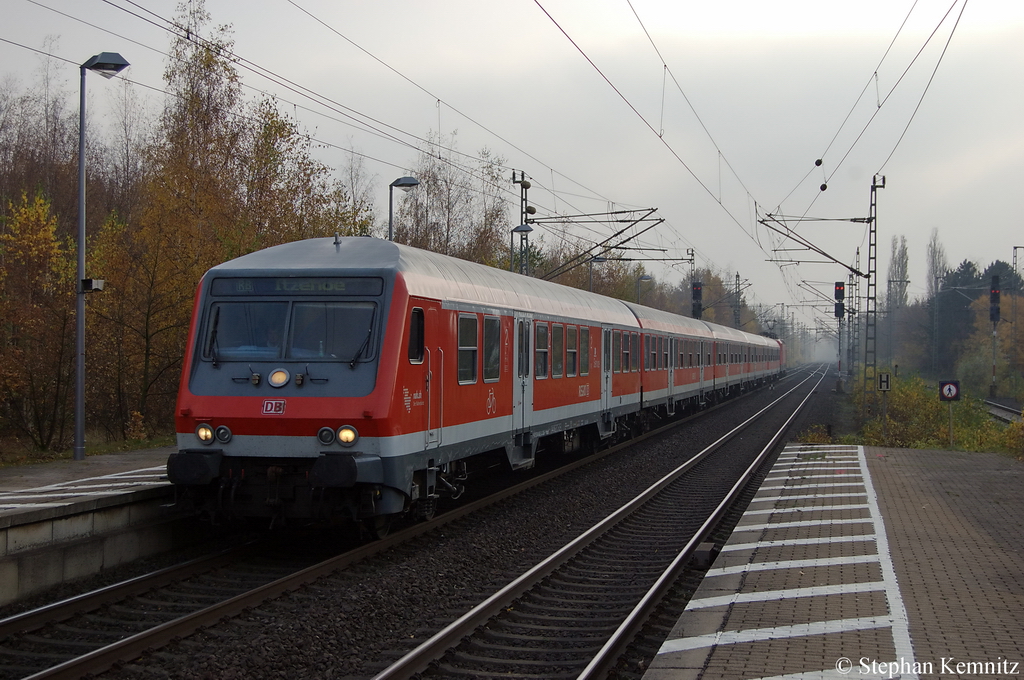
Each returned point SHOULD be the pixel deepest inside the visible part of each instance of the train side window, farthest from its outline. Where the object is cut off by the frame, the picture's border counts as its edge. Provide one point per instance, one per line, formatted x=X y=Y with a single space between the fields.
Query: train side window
x=647 y=352
x=571 y=340
x=540 y=361
x=627 y=338
x=557 y=350
x=635 y=366
x=584 y=350
x=468 y=348
x=617 y=351
x=524 y=348
x=416 y=336
x=492 y=348
x=665 y=342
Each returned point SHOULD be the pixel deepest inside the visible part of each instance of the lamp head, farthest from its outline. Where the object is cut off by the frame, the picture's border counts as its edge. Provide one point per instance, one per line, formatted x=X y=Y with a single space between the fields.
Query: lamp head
x=406 y=183
x=107 y=64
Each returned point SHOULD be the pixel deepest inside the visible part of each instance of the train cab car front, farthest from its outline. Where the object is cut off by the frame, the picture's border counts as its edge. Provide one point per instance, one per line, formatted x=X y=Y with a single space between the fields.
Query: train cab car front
x=280 y=378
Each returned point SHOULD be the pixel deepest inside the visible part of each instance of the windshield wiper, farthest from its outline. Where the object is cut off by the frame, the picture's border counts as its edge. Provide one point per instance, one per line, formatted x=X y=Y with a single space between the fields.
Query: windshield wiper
x=211 y=348
x=362 y=347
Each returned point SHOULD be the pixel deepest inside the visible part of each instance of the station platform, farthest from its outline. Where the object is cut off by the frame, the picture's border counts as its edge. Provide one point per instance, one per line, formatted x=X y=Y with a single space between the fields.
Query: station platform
x=55 y=486
x=66 y=519
x=863 y=562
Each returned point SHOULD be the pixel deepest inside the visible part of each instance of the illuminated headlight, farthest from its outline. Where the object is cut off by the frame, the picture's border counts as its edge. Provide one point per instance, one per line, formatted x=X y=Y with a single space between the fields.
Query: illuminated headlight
x=325 y=436
x=347 y=435
x=223 y=434
x=278 y=377
x=205 y=433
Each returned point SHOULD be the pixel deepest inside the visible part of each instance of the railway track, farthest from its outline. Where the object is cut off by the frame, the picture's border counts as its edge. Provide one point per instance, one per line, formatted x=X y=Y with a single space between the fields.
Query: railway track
x=93 y=632
x=89 y=632
x=1002 y=412
x=574 y=613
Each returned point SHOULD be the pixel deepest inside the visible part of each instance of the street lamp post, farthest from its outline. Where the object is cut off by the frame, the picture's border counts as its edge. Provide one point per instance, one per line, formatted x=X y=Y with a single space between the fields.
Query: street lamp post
x=108 y=65
x=406 y=184
x=645 y=277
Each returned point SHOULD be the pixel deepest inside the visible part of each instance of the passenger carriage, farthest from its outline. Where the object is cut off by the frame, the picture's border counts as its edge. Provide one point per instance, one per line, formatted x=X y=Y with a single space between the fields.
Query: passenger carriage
x=356 y=378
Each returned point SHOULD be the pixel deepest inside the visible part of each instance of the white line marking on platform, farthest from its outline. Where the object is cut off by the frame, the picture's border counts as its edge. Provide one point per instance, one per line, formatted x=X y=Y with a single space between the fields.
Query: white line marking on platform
x=791 y=564
x=817 y=540
x=897 y=609
x=794 y=525
x=770 y=595
x=732 y=637
x=897 y=619
x=808 y=508
x=805 y=497
x=64 y=493
x=787 y=487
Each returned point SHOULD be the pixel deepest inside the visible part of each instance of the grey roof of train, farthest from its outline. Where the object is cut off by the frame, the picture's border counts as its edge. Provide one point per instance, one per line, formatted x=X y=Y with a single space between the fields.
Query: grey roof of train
x=433 y=275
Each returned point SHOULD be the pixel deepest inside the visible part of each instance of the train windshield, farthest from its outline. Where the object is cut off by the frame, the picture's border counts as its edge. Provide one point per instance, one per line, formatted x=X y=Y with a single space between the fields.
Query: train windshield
x=303 y=330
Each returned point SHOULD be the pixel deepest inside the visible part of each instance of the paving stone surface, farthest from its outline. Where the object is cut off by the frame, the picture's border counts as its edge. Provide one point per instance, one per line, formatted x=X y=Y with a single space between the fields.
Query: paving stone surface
x=949 y=558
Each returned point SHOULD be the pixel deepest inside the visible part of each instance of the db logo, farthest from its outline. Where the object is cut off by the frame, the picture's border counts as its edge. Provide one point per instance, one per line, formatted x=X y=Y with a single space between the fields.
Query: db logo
x=273 y=407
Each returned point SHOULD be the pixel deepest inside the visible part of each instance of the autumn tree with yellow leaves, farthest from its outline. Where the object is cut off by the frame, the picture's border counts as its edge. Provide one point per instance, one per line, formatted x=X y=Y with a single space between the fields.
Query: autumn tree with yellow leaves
x=218 y=177
x=37 y=335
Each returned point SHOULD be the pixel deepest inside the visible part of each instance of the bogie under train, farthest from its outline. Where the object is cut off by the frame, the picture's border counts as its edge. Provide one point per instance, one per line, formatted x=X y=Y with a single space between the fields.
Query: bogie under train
x=354 y=378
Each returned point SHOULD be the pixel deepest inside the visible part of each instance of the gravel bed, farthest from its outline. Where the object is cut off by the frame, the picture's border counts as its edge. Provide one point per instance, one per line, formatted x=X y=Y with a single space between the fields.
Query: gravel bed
x=353 y=623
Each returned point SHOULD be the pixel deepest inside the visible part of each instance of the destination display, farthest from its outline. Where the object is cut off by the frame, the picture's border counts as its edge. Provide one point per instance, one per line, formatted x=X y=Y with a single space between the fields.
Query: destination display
x=367 y=285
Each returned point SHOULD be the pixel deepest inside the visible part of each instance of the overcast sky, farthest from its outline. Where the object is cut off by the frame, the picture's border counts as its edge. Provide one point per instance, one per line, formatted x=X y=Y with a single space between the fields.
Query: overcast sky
x=577 y=95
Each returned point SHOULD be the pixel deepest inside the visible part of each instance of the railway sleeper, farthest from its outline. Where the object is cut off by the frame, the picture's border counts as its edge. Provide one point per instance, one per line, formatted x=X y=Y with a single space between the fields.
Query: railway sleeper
x=583 y=650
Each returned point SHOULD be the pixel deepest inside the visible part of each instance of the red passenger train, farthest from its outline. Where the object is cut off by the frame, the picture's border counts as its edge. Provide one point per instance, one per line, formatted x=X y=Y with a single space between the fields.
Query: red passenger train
x=355 y=378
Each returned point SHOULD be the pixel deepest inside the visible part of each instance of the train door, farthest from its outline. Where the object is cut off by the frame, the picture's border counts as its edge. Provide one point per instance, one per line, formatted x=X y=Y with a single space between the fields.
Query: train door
x=522 y=402
x=435 y=383
x=607 y=423
x=702 y=364
x=672 y=347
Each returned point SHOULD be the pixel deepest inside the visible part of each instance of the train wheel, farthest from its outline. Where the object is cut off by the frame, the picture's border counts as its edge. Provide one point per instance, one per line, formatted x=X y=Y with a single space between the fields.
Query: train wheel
x=423 y=510
x=378 y=527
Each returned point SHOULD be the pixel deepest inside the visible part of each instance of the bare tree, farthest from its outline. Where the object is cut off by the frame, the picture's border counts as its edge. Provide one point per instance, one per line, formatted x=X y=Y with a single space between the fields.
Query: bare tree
x=898 y=272
x=937 y=264
x=448 y=213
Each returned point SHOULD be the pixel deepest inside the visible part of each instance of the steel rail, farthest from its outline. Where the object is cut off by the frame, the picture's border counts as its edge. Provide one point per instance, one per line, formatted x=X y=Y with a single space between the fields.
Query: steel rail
x=620 y=639
x=58 y=611
x=420 y=658
x=128 y=648
x=1002 y=412
x=131 y=647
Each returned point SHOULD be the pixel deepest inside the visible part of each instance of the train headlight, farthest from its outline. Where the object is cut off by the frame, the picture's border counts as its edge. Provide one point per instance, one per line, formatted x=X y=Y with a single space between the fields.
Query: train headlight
x=347 y=435
x=325 y=436
x=205 y=433
x=278 y=377
x=223 y=434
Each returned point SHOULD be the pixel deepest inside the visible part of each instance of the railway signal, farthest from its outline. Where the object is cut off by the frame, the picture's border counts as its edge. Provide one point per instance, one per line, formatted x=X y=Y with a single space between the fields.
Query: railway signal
x=840 y=292
x=698 y=299
x=993 y=301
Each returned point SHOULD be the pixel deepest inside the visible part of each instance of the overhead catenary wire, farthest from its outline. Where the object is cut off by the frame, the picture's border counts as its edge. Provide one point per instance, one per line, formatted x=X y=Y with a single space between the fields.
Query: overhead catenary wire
x=897 y=84
x=925 y=91
x=360 y=122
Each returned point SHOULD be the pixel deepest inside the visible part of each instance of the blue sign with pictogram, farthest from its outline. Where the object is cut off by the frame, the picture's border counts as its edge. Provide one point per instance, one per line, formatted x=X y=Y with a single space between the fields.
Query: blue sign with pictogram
x=949 y=390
